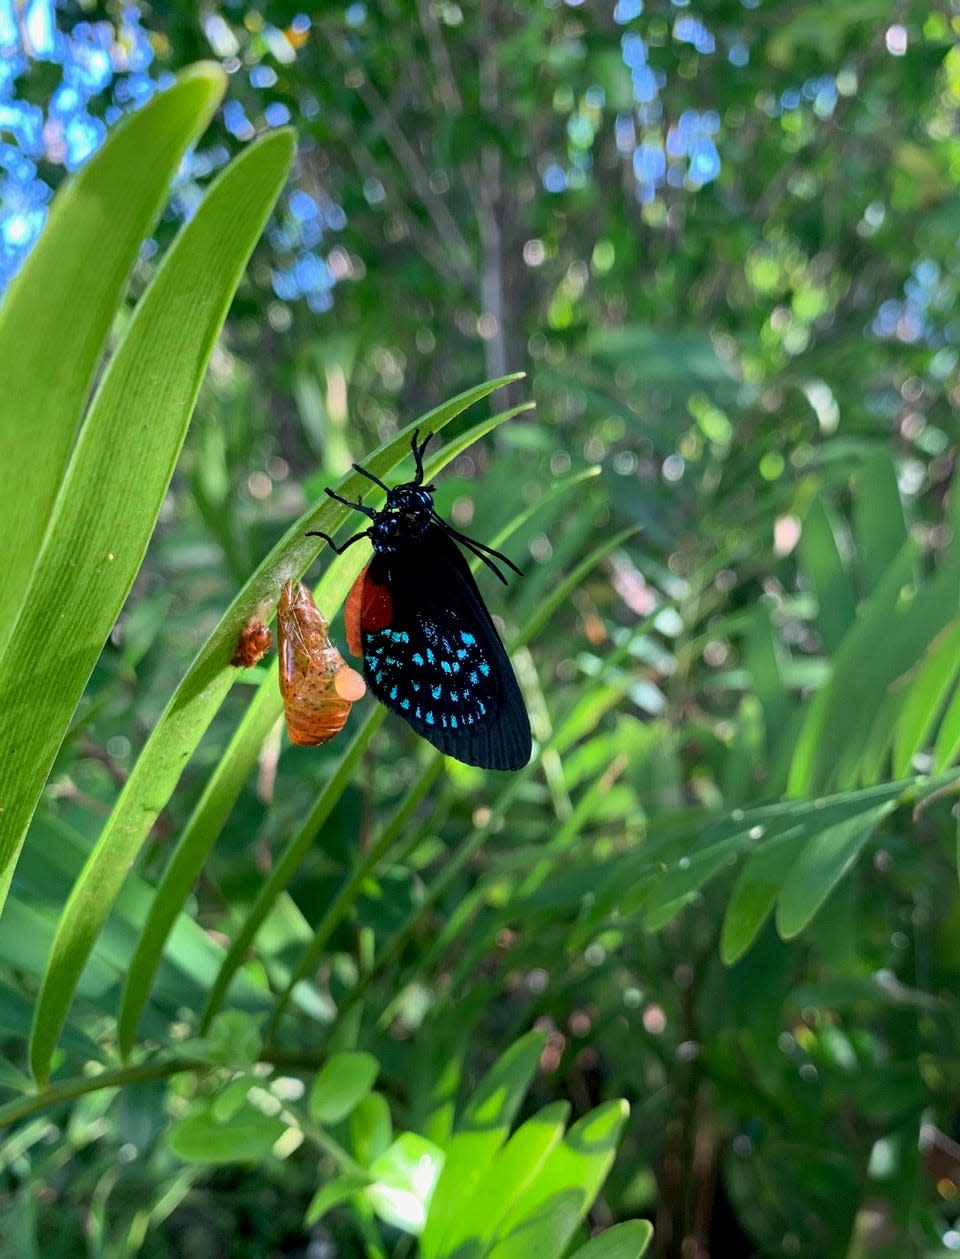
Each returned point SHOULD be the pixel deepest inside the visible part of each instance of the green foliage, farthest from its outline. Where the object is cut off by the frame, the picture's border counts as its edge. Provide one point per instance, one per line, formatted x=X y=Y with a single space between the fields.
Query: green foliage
x=367 y=996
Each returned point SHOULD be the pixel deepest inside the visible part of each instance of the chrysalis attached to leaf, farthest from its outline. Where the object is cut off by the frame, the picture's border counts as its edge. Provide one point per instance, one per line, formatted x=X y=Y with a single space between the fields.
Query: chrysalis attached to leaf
x=317 y=685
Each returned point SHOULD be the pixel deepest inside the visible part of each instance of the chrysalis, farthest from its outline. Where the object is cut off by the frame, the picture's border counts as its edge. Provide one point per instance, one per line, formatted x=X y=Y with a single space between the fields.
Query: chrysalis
x=317 y=685
x=253 y=643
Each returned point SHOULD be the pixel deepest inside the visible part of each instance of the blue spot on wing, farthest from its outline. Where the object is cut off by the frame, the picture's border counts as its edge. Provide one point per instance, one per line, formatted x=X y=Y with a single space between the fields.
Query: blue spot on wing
x=419 y=654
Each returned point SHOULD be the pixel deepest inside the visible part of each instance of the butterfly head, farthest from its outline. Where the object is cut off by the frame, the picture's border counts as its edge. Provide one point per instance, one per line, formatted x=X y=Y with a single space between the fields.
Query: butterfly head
x=406 y=515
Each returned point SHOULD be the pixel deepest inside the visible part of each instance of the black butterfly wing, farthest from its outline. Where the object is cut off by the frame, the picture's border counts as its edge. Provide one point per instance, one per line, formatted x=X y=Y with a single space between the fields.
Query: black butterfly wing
x=439 y=662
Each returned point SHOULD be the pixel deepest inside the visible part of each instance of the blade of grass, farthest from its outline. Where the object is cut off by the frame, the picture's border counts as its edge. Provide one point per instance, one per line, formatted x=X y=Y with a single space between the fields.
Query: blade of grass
x=124 y=468
x=57 y=314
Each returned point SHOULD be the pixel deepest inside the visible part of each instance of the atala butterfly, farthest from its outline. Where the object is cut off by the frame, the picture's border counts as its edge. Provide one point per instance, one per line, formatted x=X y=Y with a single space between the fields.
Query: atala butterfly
x=431 y=652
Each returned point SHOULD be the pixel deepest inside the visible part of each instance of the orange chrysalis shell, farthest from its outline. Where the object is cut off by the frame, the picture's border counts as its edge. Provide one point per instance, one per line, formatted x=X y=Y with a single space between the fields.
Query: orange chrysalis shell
x=253 y=643
x=317 y=685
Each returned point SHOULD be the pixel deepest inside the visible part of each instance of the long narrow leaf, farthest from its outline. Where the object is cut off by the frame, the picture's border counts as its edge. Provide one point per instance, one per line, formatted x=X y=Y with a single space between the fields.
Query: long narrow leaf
x=57 y=314
x=930 y=688
x=123 y=463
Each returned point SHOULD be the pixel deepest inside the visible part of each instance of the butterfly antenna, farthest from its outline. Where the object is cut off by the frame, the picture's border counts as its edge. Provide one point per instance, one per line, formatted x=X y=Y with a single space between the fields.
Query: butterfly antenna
x=370 y=477
x=418 y=456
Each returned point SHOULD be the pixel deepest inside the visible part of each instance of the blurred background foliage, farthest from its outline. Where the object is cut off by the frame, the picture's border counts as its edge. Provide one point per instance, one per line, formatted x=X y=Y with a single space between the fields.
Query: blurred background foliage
x=721 y=238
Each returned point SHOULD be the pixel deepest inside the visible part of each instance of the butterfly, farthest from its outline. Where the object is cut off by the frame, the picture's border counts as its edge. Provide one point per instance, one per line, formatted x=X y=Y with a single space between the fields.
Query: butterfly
x=317 y=684
x=431 y=652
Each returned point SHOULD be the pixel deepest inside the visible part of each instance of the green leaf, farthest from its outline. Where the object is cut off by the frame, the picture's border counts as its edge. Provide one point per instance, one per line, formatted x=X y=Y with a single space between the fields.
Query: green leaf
x=332 y=1194
x=341 y=1084
x=168 y=342
x=840 y=717
x=543 y=1220
x=624 y=1241
x=197 y=838
x=811 y=832
x=404 y=1178
x=930 y=688
x=234 y=1039
x=545 y=1231
x=763 y=664
x=948 y=736
x=66 y=297
x=371 y=1128
x=681 y=883
x=820 y=557
x=755 y=893
x=481 y=1131
x=820 y=866
x=247 y=1136
x=511 y=1173
x=880 y=528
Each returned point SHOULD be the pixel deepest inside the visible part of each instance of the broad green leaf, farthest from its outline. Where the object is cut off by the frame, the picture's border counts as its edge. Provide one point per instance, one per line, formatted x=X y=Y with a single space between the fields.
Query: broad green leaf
x=230 y=1100
x=544 y=1231
x=624 y=1241
x=819 y=867
x=371 y=1128
x=545 y=1216
x=404 y=1178
x=481 y=1131
x=928 y=691
x=879 y=526
x=57 y=313
x=247 y=1136
x=341 y=1084
x=510 y=1174
x=169 y=340
x=332 y=1194
x=820 y=557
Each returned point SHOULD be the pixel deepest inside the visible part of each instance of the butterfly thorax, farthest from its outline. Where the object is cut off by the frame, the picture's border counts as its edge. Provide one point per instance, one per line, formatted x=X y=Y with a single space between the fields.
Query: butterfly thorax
x=407 y=515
